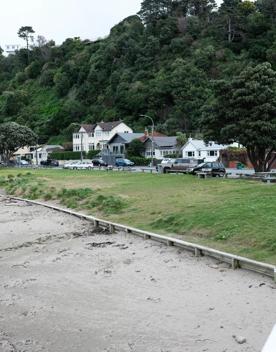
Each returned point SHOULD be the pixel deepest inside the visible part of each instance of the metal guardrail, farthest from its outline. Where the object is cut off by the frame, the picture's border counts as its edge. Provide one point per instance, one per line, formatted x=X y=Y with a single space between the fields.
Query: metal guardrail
x=235 y=261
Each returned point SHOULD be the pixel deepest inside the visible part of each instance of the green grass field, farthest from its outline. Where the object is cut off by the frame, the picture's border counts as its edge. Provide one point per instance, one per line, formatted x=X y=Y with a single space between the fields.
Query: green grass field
x=238 y=216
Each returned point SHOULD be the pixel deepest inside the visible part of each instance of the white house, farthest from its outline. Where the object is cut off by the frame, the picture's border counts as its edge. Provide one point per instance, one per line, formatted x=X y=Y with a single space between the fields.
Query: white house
x=10 y=49
x=162 y=146
x=198 y=149
x=96 y=137
x=36 y=154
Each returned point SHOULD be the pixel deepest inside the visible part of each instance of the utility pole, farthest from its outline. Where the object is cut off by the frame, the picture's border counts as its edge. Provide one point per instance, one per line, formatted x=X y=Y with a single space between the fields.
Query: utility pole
x=81 y=133
x=152 y=137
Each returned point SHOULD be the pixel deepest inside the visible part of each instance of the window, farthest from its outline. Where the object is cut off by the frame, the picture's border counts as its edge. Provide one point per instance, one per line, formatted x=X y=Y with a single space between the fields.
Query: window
x=199 y=153
x=77 y=148
x=77 y=136
x=91 y=146
x=91 y=135
x=98 y=133
x=212 y=153
x=190 y=154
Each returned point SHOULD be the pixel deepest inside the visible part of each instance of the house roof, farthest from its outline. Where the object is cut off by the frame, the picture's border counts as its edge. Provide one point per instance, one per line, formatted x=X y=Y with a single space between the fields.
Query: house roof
x=88 y=128
x=200 y=144
x=108 y=126
x=126 y=137
x=105 y=126
x=162 y=142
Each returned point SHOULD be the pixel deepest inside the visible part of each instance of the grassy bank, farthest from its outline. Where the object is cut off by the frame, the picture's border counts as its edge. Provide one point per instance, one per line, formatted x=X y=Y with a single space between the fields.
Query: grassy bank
x=232 y=215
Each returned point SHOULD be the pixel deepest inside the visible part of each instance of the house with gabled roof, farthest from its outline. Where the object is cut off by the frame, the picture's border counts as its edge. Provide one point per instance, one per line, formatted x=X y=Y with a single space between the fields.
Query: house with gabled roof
x=118 y=144
x=201 y=150
x=162 y=146
x=96 y=136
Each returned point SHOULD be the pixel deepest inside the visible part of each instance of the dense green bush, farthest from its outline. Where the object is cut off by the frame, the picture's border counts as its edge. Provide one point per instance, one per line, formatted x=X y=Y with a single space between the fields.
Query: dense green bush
x=140 y=161
x=92 y=154
x=67 y=155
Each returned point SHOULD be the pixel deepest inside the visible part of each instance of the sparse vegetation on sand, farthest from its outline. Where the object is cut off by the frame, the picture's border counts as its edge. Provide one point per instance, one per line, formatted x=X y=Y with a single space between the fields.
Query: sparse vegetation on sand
x=231 y=215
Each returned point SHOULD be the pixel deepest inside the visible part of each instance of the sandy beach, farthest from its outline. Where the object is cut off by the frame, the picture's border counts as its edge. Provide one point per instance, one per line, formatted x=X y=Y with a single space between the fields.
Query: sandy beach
x=68 y=287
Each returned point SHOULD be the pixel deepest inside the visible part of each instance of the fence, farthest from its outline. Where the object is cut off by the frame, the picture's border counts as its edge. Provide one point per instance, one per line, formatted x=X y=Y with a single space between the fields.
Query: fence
x=235 y=261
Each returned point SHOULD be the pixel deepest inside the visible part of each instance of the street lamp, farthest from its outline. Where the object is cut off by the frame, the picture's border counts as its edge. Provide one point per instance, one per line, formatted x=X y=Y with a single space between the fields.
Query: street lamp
x=81 y=133
x=152 y=132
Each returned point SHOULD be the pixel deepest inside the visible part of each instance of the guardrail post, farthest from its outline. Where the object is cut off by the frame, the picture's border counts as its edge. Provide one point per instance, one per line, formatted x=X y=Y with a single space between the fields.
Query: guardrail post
x=111 y=228
x=96 y=223
x=146 y=237
x=235 y=263
x=198 y=252
x=127 y=230
x=169 y=243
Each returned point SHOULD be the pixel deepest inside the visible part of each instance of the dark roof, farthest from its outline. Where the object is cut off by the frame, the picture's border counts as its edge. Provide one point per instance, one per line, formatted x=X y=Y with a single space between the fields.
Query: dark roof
x=164 y=141
x=125 y=137
x=88 y=128
x=105 y=126
x=108 y=126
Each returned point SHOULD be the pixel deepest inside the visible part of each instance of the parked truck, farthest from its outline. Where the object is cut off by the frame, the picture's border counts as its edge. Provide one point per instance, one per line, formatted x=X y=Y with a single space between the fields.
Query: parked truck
x=179 y=165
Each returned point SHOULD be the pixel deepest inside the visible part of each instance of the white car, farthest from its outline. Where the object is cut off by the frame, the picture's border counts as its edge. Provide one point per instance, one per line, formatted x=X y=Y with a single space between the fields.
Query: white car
x=167 y=161
x=78 y=165
x=85 y=165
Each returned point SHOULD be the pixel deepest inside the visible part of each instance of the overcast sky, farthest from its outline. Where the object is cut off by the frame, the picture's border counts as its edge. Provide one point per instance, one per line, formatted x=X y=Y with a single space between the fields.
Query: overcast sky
x=61 y=19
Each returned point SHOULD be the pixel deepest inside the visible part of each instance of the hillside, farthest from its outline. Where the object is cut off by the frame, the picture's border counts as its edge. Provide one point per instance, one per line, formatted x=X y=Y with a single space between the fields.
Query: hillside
x=160 y=63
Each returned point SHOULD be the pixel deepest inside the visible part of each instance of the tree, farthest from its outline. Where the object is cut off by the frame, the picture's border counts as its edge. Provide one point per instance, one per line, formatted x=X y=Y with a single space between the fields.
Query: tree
x=244 y=111
x=268 y=8
x=14 y=136
x=25 y=33
x=153 y=10
x=135 y=148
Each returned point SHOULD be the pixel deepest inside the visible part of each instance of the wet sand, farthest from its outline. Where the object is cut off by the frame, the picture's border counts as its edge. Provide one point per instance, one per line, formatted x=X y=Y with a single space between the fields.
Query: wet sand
x=66 y=287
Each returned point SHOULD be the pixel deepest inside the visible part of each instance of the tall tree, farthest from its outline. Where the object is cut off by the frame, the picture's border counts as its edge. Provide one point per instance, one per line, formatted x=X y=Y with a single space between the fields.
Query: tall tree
x=14 y=136
x=244 y=111
x=201 y=8
x=268 y=8
x=153 y=10
x=229 y=15
x=25 y=33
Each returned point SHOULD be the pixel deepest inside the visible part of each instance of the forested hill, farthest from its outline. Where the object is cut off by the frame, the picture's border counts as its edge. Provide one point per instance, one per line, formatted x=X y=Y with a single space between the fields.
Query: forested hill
x=160 y=62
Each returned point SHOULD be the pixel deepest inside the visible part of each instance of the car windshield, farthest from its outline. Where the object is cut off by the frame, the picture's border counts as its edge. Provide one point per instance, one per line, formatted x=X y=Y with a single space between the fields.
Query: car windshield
x=202 y=164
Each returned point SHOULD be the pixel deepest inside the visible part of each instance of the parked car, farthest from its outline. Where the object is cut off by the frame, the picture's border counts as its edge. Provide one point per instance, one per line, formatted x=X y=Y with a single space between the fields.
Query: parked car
x=166 y=161
x=99 y=162
x=179 y=165
x=72 y=165
x=49 y=162
x=215 y=169
x=23 y=163
x=84 y=165
x=120 y=162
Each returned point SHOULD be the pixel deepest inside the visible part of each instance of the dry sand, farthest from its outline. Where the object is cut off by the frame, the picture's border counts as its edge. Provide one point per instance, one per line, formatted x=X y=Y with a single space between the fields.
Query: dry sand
x=66 y=288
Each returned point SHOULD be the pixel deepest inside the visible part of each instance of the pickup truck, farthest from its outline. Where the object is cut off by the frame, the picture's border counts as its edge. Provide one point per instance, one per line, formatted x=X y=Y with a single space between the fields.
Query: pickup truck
x=178 y=165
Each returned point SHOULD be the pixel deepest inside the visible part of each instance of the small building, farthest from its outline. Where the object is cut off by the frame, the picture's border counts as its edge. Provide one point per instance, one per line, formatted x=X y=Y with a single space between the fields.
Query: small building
x=96 y=136
x=10 y=49
x=200 y=150
x=118 y=144
x=162 y=147
x=36 y=154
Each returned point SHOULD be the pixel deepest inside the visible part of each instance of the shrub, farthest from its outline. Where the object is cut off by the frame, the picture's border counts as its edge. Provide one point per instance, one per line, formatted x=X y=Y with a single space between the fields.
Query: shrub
x=67 y=155
x=140 y=161
x=92 y=154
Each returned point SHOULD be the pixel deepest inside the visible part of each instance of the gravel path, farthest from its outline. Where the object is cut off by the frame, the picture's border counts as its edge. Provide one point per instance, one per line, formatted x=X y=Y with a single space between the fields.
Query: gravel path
x=65 y=287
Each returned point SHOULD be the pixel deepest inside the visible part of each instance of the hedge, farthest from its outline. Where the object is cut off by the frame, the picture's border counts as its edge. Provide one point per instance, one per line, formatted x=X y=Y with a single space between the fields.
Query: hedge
x=140 y=161
x=67 y=155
